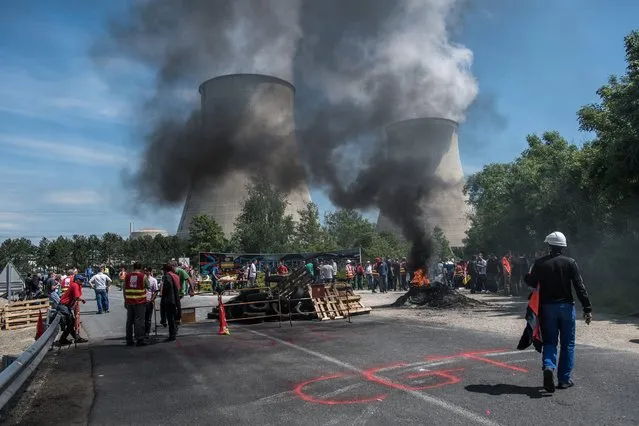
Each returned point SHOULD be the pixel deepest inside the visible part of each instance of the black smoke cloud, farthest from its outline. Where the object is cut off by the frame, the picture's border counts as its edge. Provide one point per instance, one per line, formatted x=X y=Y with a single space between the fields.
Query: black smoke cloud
x=357 y=65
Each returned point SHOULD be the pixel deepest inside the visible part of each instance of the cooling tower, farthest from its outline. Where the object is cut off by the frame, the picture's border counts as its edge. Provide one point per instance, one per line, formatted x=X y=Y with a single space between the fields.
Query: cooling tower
x=436 y=140
x=262 y=102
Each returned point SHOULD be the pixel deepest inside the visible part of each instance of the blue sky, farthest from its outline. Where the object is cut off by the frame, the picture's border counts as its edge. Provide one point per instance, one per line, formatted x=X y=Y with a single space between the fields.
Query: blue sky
x=65 y=133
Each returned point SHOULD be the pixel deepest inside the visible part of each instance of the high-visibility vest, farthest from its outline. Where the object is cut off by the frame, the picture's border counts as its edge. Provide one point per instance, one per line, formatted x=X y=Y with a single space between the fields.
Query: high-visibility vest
x=66 y=283
x=349 y=271
x=134 y=291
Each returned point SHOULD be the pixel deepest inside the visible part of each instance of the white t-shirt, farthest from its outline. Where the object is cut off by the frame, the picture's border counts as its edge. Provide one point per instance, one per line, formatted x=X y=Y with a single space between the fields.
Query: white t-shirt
x=326 y=272
x=153 y=288
x=252 y=271
x=100 y=281
x=369 y=269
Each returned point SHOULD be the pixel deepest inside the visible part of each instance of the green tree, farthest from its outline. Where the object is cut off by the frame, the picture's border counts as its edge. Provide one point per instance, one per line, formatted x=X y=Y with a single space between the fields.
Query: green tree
x=263 y=226
x=386 y=244
x=347 y=229
x=309 y=234
x=61 y=253
x=112 y=249
x=19 y=251
x=42 y=253
x=205 y=235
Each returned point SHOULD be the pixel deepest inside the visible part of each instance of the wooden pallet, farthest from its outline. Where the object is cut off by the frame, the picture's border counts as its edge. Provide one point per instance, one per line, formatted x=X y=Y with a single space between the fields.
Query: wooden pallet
x=330 y=303
x=24 y=313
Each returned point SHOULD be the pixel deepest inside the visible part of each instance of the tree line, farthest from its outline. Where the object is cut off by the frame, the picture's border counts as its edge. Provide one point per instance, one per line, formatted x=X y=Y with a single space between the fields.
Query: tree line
x=261 y=227
x=591 y=193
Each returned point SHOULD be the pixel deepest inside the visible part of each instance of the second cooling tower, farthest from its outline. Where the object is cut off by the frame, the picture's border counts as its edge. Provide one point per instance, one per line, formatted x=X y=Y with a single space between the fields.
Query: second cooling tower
x=435 y=139
x=258 y=103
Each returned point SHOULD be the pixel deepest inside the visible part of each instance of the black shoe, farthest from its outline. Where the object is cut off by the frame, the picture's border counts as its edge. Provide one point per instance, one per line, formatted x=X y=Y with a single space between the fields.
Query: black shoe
x=567 y=385
x=163 y=324
x=170 y=339
x=98 y=313
x=130 y=343
x=80 y=340
x=63 y=342
x=142 y=343
x=107 y=311
x=549 y=380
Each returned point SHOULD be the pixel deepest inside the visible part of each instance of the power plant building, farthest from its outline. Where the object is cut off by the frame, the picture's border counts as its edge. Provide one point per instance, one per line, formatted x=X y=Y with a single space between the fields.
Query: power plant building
x=445 y=206
x=258 y=101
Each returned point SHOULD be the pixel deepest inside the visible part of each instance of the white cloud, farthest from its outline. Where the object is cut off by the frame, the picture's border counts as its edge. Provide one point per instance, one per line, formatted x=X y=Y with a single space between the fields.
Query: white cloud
x=60 y=98
x=76 y=198
x=86 y=152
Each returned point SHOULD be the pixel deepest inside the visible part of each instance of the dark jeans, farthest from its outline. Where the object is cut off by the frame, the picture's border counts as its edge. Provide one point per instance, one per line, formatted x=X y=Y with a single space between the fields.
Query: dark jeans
x=383 y=279
x=102 y=299
x=558 y=325
x=403 y=282
x=69 y=322
x=371 y=282
x=135 y=322
x=359 y=279
x=391 y=283
x=148 y=314
x=480 y=283
x=168 y=311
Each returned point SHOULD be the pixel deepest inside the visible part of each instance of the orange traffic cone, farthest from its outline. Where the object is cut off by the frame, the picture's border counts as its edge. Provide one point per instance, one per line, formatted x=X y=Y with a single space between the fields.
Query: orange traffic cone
x=224 y=329
x=39 y=326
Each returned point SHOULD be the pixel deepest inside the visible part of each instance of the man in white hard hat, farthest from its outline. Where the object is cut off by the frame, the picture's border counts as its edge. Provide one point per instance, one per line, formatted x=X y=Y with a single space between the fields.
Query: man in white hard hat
x=556 y=274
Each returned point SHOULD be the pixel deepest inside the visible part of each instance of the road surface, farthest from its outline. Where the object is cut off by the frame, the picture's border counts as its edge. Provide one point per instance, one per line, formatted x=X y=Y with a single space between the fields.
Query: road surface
x=371 y=371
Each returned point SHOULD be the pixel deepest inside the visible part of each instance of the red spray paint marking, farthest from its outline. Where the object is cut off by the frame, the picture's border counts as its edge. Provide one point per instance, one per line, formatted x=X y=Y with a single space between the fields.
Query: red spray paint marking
x=299 y=391
x=477 y=356
x=445 y=374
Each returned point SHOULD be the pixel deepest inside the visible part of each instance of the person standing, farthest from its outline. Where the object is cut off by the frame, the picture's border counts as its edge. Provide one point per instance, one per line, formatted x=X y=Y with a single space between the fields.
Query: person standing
x=402 y=274
x=481 y=273
x=252 y=273
x=186 y=282
x=350 y=273
x=51 y=290
x=360 y=276
x=334 y=266
x=507 y=274
x=390 y=276
x=382 y=270
x=369 y=276
x=556 y=275
x=170 y=300
x=135 y=285
x=101 y=282
x=151 y=294
x=472 y=273
x=326 y=271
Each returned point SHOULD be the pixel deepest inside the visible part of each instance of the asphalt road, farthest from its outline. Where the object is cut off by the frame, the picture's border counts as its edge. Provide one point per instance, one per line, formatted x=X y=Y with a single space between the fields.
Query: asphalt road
x=371 y=371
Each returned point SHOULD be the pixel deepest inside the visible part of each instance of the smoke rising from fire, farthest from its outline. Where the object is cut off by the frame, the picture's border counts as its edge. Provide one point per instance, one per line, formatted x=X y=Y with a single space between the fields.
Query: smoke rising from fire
x=358 y=66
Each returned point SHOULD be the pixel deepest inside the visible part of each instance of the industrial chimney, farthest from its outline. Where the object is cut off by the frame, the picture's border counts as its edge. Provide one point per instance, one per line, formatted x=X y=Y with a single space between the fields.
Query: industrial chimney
x=260 y=101
x=436 y=138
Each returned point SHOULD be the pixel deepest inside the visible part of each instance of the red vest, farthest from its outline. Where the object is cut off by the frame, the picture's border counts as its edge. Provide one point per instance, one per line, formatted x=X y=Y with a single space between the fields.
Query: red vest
x=134 y=291
x=66 y=283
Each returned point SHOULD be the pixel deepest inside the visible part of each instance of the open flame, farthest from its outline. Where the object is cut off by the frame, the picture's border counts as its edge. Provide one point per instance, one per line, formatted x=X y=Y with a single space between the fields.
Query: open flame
x=420 y=278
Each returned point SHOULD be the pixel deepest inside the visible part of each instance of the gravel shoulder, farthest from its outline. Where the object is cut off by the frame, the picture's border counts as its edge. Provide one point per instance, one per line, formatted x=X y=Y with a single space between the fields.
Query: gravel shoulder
x=14 y=342
x=505 y=316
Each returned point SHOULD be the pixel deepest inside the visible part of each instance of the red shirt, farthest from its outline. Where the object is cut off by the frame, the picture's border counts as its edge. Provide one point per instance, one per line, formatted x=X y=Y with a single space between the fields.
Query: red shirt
x=72 y=294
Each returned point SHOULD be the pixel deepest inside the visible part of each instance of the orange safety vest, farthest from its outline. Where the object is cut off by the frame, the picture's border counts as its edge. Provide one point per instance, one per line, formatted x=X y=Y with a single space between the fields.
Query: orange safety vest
x=134 y=291
x=505 y=263
x=65 y=284
x=349 y=271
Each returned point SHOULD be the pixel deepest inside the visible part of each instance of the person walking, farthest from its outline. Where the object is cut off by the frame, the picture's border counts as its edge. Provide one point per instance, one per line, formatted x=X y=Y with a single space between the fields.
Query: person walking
x=67 y=308
x=252 y=273
x=359 y=276
x=382 y=270
x=556 y=275
x=135 y=285
x=481 y=274
x=101 y=282
x=506 y=275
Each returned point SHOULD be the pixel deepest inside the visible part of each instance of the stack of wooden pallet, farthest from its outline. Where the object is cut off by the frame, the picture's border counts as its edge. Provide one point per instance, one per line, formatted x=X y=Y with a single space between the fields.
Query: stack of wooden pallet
x=330 y=303
x=23 y=313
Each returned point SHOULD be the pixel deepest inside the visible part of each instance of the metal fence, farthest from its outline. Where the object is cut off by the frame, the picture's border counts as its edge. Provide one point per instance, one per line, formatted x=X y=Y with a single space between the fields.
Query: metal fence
x=18 y=372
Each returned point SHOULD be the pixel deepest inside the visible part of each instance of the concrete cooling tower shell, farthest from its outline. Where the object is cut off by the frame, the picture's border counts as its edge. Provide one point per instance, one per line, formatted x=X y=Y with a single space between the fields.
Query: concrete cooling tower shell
x=269 y=103
x=445 y=207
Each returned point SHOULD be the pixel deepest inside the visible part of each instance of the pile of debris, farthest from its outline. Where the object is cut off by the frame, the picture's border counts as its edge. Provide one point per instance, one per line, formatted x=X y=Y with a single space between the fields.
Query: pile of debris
x=425 y=293
x=436 y=295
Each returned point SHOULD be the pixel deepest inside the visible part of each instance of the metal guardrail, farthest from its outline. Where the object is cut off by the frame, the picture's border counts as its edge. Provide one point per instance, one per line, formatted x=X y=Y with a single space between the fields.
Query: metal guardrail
x=16 y=374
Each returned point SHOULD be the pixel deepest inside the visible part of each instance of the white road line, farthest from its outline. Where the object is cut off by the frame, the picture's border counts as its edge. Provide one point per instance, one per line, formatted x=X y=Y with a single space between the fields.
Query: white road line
x=455 y=409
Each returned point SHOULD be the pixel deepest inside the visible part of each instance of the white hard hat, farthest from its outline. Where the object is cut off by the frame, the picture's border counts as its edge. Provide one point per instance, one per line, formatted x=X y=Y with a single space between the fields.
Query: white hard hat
x=556 y=239
x=348 y=261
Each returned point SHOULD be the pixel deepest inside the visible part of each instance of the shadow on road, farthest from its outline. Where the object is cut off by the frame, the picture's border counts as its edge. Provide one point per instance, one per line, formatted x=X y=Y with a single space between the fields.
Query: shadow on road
x=634 y=341
x=534 y=392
